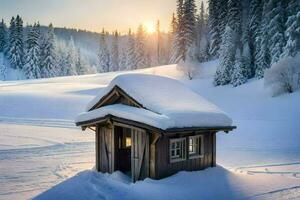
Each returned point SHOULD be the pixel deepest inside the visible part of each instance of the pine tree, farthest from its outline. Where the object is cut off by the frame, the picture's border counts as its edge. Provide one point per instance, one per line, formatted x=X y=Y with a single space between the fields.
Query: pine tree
x=227 y=57
x=239 y=75
x=173 y=40
x=141 y=59
x=230 y=42
x=103 y=54
x=48 y=57
x=16 y=50
x=81 y=64
x=215 y=35
x=3 y=68
x=131 y=62
x=114 y=54
x=263 y=55
x=255 y=17
x=158 y=42
x=3 y=36
x=123 y=59
x=71 y=58
x=234 y=16
x=31 y=68
x=276 y=29
x=189 y=20
x=223 y=10
x=292 y=32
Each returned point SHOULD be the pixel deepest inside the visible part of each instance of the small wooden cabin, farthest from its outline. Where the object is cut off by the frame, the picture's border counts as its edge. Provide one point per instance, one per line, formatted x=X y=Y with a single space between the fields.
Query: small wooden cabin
x=152 y=126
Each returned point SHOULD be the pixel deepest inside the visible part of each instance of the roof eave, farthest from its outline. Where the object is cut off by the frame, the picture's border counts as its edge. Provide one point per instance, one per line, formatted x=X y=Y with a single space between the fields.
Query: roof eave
x=111 y=118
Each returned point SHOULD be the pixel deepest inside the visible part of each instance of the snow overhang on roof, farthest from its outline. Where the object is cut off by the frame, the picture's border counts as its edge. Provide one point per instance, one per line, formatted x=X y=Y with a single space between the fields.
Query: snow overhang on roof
x=165 y=103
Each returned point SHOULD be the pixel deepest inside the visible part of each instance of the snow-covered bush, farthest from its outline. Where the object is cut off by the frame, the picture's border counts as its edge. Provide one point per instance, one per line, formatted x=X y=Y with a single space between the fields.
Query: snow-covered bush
x=189 y=68
x=283 y=76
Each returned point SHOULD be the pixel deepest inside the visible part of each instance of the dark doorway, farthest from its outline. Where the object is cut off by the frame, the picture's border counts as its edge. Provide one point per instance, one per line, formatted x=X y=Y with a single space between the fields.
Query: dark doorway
x=123 y=149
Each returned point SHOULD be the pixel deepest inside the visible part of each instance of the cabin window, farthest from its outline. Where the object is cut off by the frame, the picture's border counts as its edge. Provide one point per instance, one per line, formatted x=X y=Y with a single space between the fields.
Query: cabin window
x=195 y=146
x=177 y=149
x=128 y=142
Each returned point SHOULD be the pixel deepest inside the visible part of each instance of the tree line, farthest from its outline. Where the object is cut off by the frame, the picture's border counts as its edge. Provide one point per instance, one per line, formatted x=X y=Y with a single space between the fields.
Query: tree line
x=248 y=37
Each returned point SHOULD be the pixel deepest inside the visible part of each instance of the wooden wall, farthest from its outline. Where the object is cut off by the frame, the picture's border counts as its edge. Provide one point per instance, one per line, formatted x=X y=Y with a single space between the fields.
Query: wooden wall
x=163 y=166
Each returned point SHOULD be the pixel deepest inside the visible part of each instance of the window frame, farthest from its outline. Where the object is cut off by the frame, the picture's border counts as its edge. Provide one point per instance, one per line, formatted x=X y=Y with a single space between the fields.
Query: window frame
x=200 y=153
x=182 y=149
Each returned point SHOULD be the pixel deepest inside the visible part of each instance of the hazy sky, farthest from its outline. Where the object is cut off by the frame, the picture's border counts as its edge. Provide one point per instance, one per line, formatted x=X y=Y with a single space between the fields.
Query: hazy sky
x=91 y=14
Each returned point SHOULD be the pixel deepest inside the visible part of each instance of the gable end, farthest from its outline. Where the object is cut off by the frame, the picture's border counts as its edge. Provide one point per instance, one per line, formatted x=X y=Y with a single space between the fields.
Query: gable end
x=117 y=95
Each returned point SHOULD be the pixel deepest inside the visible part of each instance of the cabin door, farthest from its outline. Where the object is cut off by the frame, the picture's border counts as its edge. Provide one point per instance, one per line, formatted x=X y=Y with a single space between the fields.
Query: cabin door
x=122 y=156
x=139 y=154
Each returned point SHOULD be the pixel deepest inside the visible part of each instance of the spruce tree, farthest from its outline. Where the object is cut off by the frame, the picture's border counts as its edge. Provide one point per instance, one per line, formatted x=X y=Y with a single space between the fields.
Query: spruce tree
x=48 y=57
x=239 y=73
x=222 y=16
x=71 y=58
x=131 y=62
x=255 y=17
x=227 y=57
x=3 y=36
x=16 y=51
x=276 y=29
x=81 y=64
x=114 y=53
x=189 y=20
x=215 y=35
x=263 y=56
x=173 y=40
x=3 y=68
x=103 y=54
x=141 y=59
x=292 y=32
x=31 y=68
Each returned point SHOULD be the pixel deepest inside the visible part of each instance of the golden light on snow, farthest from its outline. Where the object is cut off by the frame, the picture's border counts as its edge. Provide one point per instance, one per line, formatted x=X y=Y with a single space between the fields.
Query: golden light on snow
x=149 y=26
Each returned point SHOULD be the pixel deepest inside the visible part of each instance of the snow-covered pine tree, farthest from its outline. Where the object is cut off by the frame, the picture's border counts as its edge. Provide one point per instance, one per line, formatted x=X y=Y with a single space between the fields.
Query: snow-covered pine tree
x=239 y=73
x=32 y=60
x=3 y=36
x=141 y=59
x=223 y=10
x=227 y=57
x=246 y=59
x=103 y=54
x=3 y=68
x=123 y=59
x=215 y=35
x=263 y=54
x=276 y=29
x=48 y=57
x=158 y=44
x=189 y=20
x=292 y=32
x=71 y=58
x=114 y=53
x=230 y=42
x=173 y=40
x=255 y=14
x=131 y=62
x=16 y=50
x=81 y=64
x=61 y=52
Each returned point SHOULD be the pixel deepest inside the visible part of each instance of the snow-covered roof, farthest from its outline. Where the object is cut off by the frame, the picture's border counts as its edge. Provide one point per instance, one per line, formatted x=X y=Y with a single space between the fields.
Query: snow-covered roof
x=167 y=104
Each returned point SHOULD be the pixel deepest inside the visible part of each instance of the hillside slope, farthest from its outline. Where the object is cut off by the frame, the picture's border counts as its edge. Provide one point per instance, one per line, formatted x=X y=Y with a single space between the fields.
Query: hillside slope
x=41 y=141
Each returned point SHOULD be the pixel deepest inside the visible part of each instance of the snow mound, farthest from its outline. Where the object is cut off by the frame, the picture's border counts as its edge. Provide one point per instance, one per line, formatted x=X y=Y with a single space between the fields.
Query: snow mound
x=169 y=104
x=212 y=183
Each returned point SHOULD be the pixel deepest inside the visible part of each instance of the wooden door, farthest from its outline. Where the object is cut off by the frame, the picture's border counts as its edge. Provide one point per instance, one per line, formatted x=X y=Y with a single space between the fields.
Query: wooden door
x=106 y=158
x=139 y=154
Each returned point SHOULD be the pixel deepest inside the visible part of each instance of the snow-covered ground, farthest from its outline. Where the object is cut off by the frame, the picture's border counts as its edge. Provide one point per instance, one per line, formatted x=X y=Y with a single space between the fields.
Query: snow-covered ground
x=40 y=146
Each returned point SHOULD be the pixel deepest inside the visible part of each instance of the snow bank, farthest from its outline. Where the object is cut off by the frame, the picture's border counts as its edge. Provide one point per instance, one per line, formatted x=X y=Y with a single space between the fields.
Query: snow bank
x=172 y=103
x=212 y=183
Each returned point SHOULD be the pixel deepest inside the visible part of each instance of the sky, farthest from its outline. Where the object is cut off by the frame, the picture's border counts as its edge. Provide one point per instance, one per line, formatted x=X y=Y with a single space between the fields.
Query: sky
x=92 y=15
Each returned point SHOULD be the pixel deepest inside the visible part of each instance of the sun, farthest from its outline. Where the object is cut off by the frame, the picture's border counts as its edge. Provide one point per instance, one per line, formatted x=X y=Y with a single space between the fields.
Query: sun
x=149 y=27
